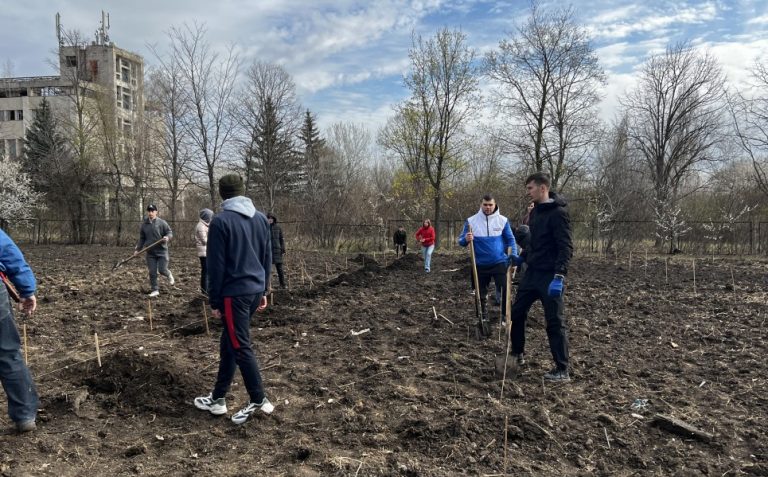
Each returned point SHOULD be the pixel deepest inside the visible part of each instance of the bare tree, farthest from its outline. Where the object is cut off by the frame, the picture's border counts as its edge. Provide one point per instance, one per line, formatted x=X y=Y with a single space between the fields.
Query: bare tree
x=443 y=81
x=269 y=118
x=80 y=126
x=675 y=120
x=210 y=82
x=548 y=76
x=750 y=118
x=169 y=109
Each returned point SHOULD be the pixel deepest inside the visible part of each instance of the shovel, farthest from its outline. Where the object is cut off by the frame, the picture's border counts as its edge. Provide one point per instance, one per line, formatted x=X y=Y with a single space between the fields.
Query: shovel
x=121 y=262
x=483 y=330
x=505 y=367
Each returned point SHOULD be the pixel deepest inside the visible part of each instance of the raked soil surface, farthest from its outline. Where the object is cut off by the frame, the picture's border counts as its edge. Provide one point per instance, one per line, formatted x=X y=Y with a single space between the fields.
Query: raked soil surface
x=366 y=381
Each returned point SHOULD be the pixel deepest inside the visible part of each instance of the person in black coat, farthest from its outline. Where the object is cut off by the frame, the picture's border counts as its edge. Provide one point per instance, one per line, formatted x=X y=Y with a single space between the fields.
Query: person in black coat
x=547 y=256
x=278 y=247
x=401 y=241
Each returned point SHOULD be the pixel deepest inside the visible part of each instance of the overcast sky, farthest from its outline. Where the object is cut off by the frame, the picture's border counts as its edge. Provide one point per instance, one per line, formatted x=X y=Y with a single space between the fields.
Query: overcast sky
x=348 y=57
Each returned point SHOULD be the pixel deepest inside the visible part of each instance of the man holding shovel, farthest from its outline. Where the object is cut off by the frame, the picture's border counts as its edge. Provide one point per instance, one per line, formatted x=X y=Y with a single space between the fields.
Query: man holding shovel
x=14 y=374
x=491 y=236
x=547 y=257
x=154 y=229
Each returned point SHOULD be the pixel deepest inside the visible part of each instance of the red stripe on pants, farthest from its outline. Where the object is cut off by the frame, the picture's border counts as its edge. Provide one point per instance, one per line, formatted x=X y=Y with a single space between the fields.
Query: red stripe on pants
x=230 y=323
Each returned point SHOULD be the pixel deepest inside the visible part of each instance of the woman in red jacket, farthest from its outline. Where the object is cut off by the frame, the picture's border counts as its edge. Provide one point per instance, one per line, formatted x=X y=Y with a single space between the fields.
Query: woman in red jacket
x=426 y=235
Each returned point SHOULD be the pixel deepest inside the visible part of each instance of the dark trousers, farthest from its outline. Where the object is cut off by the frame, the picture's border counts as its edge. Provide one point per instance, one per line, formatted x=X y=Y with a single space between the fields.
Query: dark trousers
x=400 y=249
x=203 y=274
x=534 y=287
x=235 y=350
x=14 y=374
x=499 y=275
x=156 y=264
x=280 y=273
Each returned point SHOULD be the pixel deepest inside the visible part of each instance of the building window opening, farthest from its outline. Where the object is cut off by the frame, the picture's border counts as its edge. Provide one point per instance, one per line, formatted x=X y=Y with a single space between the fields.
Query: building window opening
x=71 y=61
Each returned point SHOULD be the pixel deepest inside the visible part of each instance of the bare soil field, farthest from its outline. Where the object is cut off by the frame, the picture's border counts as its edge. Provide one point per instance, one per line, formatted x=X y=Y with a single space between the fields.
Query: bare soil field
x=414 y=395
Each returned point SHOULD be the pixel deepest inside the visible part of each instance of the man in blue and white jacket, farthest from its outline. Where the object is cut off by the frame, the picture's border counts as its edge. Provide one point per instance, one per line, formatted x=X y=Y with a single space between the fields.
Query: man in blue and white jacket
x=14 y=374
x=492 y=237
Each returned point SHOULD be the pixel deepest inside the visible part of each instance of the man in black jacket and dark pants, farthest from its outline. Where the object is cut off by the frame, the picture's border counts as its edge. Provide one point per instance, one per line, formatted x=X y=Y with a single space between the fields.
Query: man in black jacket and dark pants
x=401 y=241
x=547 y=257
x=278 y=247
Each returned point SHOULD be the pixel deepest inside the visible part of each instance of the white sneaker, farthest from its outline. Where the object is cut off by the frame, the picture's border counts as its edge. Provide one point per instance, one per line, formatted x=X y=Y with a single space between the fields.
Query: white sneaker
x=171 y=281
x=153 y=293
x=243 y=414
x=217 y=407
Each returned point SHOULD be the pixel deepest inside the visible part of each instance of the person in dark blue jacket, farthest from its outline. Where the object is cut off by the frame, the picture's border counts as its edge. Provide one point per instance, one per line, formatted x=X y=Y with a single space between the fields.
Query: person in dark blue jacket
x=14 y=374
x=492 y=236
x=547 y=257
x=239 y=256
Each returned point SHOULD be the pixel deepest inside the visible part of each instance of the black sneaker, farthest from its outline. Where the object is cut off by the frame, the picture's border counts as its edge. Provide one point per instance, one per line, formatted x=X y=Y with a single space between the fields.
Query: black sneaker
x=558 y=375
x=520 y=358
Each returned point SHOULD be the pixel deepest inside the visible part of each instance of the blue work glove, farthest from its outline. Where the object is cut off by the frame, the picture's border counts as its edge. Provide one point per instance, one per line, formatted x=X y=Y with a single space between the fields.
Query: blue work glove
x=556 y=286
x=514 y=261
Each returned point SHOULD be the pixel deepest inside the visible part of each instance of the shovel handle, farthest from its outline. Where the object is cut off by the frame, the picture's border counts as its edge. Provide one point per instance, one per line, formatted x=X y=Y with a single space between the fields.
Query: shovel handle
x=12 y=292
x=475 y=279
x=136 y=254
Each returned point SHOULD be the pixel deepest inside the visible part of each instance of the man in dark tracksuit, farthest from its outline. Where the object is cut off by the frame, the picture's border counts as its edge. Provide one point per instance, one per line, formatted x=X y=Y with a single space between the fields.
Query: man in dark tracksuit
x=152 y=230
x=14 y=374
x=401 y=241
x=278 y=247
x=239 y=256
x=547 y=257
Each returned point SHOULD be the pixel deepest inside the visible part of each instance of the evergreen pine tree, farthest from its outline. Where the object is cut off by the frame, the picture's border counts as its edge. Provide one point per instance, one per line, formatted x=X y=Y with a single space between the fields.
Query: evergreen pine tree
x=43 y=146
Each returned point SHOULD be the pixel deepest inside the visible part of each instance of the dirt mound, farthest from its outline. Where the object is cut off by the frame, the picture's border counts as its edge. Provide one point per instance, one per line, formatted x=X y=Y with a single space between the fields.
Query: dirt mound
x=363 y=258
x=145 y=382
x=407 y=262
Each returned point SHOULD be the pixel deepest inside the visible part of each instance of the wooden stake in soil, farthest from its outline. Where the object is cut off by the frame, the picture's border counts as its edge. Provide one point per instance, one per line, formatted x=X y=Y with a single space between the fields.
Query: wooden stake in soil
x=666 y=270
x=646 y=261
x=733 y=280
x=98 y=350
x=508 y=302
x=630 y=260
x=506 y=452
x=26 y=355
x=434 y=312
x=205 y=315
x=149 y=313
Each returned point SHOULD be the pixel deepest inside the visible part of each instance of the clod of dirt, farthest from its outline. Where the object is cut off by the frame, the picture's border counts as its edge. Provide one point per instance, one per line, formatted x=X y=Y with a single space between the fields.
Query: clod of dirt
x=135 y=450
x=152 y=383
x=363 y=258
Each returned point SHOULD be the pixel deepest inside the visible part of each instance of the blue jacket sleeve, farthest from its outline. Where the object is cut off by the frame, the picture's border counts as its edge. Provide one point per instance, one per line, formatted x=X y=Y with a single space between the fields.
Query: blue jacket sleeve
x=509 y=240
x=463 y=237
x=216 y=261
x=12 y=263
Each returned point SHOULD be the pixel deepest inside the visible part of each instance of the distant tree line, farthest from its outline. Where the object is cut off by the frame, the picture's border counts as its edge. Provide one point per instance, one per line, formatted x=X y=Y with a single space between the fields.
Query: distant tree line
x=683 y=147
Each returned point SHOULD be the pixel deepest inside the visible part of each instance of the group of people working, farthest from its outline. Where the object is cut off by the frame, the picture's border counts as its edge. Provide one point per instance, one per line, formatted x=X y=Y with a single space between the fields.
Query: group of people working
x=237 y=247
x=543 y=246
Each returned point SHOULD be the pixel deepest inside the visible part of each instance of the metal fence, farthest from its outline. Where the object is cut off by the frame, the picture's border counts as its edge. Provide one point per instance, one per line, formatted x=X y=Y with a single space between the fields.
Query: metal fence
x=700 y=237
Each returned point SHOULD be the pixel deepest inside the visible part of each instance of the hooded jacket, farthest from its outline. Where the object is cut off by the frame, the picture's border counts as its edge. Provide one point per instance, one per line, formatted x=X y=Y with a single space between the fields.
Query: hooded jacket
x=551 y=244
x=201 y=231
x=239 y=252
x=492 y=236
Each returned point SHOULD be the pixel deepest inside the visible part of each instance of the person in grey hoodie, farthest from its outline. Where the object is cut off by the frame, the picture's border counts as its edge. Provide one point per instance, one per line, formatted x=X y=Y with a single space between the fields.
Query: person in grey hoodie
x=201 y=240
x=239 y=255
x=154 y=229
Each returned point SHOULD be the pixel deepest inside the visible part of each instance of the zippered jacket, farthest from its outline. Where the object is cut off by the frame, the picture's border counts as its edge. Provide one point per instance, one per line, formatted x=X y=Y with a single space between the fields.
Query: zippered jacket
x=551 y=245
x=492 y=236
